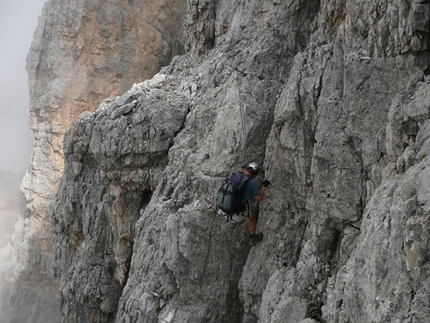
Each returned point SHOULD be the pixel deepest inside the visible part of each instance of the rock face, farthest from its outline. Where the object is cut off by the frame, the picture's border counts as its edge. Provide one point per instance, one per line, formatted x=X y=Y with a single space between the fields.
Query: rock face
x=83 y=51
x=331 y=98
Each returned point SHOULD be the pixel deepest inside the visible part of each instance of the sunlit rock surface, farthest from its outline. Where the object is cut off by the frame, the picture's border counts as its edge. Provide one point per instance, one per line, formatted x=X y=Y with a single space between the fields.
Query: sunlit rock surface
x=82 y=53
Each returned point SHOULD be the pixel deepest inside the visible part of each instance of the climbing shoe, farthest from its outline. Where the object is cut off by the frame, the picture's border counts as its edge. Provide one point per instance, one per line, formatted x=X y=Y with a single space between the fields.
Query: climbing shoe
x=255 y=238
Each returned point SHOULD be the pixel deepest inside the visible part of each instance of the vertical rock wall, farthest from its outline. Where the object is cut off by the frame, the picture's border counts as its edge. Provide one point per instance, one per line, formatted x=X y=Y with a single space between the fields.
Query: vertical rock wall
x=330 y=149
x=83 y=51
x=186 y=263
x=331 y=98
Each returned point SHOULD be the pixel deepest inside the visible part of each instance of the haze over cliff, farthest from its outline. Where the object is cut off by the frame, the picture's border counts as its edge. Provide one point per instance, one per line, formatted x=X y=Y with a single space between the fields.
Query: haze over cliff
x=18 y=20
x=330 y=97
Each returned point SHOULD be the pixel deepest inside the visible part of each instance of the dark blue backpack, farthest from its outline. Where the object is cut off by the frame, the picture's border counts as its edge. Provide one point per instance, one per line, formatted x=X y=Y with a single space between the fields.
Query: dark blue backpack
x=230 y=194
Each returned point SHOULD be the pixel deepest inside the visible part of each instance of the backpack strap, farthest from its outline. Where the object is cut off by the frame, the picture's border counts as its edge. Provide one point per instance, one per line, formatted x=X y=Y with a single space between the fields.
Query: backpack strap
x=244 y=184
x=241 y=191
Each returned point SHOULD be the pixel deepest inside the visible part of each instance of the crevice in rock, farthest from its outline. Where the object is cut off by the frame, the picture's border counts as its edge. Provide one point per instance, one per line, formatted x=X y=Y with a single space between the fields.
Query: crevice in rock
x=146 y=197
x=335 y=247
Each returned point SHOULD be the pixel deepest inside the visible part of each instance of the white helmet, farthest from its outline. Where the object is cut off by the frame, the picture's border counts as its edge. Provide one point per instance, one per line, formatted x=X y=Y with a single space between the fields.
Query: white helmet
x=253 y=168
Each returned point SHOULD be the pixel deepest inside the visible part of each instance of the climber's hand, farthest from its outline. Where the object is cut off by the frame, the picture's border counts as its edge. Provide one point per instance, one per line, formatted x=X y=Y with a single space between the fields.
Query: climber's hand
x=266 y=183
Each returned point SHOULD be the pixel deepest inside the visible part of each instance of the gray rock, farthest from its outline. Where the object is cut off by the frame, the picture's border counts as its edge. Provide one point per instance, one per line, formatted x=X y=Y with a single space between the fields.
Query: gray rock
x=331 y=98
x=83 y=52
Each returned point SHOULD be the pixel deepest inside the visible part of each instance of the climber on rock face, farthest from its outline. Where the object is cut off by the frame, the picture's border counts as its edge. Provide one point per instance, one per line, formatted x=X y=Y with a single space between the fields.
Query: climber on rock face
x=252 y=191
x=240 y=196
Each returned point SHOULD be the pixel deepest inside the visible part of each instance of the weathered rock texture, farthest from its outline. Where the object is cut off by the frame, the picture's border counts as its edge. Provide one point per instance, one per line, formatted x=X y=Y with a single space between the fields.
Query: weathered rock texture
x=83 y=51
x=11 y=204
x=332 y=98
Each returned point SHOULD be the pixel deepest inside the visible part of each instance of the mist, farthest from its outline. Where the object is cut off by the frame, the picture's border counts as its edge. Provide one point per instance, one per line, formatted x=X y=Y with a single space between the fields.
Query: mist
x=18 y=22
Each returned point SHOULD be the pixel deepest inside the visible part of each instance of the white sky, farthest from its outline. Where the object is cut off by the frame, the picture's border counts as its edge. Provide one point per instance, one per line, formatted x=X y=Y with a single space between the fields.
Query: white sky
x=18 y=21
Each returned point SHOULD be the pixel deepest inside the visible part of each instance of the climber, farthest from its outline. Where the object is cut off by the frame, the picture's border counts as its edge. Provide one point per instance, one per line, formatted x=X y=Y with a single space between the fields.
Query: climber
x=252 y=190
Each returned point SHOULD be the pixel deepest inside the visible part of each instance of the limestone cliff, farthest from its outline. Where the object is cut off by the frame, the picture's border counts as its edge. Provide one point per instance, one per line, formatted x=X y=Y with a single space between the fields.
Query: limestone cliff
x=83 y=51
x=331 y=97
